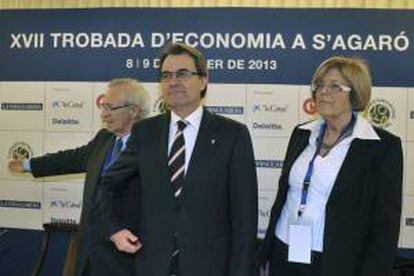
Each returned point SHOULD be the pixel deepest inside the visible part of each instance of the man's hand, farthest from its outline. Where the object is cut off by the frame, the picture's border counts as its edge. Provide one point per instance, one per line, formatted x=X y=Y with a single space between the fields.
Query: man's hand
x=16 y=166
x=125 y=241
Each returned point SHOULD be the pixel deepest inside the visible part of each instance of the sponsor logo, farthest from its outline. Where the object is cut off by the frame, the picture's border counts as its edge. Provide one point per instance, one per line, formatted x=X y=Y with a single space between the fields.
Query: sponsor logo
x=20 y=204
x=160 y=106
x=227 y=110
x=67 y=104
x=22 y=106
x=100 y=100
x=380 y=112
x=66 y=121
x=409 y=221
x=309 y=106
x=266 y=126
x=62 y=220
x=264 y=213
x=278 y=164
x=273 y=108
x=20 y=151
x=65 y=204
x=261 y=92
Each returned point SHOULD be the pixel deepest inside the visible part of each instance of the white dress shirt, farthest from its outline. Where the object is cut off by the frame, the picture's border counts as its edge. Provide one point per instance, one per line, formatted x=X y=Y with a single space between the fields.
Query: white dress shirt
x=190 y=132
x=324 y=174
x=124 y=140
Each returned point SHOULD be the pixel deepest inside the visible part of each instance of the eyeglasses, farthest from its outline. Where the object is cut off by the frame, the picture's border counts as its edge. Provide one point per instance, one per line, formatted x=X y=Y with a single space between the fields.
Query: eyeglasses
x=333 y=87
x=110 y=108
x=181 y=75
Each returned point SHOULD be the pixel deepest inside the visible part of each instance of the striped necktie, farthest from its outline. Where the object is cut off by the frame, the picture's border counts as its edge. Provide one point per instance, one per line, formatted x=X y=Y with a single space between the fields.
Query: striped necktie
x=176 y=160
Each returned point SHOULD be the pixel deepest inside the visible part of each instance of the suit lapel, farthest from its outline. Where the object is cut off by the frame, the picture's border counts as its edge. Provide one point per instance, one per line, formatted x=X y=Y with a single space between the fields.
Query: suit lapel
x=164 y=172
x=358 y=157
x=100 y=160
x=298 y=146
x=163 y=142
x=203 y=152
x=105 y=150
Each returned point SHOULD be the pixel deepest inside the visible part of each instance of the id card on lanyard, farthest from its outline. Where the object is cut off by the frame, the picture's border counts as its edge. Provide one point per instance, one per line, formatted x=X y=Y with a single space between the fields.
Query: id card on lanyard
x=300 y=241
x=300 y=228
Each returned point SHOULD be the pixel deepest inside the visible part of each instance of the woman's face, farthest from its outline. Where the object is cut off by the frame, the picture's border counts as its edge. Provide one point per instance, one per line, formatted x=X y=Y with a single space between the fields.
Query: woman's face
x=332 y=95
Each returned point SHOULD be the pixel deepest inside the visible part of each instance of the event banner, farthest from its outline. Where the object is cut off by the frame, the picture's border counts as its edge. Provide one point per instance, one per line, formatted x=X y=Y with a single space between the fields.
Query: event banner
x=55 y=64
x=248 y=45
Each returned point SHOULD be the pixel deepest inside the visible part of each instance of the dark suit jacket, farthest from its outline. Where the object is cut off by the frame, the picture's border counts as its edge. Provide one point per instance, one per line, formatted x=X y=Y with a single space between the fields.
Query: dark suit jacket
x=363 y=209
x=90 y=241
x=216 y=216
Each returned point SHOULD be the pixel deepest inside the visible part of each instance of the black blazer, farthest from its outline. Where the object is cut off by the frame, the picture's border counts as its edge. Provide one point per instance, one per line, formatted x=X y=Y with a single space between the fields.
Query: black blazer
x=216 y=215
x=363 y=210
x=90 y=239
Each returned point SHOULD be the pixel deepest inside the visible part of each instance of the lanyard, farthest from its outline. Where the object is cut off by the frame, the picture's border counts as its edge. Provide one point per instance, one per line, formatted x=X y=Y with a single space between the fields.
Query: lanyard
x=306 y=181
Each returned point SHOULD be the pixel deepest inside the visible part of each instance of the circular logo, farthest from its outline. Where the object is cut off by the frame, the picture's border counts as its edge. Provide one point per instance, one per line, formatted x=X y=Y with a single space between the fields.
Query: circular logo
x=309 y=106
x=20 y=151
x=380 y=112
x=160 y=106
x=99 y=100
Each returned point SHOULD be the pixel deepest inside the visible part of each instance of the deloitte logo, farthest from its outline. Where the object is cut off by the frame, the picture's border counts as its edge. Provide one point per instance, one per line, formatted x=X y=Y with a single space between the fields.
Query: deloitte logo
x=65 y=121
x=266 y=126
x=380 y=112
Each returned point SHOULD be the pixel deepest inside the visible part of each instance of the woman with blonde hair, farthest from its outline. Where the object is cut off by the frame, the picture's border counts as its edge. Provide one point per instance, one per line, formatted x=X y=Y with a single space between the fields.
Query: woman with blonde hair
x=337 y=210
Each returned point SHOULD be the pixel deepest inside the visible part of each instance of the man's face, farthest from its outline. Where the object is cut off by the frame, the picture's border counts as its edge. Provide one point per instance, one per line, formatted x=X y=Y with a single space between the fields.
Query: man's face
x=116 y=113
x=183 y=93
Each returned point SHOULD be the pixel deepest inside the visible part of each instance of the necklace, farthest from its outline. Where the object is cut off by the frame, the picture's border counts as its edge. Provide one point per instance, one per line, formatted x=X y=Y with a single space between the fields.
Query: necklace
x=325 y=148
x=326 y=145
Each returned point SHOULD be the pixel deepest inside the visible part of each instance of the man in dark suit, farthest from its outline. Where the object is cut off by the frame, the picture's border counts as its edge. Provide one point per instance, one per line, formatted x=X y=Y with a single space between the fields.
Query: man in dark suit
x=197 y=203
x=124 y=103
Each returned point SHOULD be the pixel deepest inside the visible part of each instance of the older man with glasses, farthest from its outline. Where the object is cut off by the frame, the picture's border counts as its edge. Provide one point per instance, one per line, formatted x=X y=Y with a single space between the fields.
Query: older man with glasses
x=124 y=103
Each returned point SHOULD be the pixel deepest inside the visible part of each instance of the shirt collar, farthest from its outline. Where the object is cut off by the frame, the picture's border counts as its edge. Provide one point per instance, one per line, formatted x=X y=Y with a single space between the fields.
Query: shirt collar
x=362 y=130
x=124 y=138
x=194 y=119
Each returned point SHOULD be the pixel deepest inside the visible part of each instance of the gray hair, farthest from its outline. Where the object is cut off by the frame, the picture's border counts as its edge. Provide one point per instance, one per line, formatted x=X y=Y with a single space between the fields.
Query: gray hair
x=134 y=94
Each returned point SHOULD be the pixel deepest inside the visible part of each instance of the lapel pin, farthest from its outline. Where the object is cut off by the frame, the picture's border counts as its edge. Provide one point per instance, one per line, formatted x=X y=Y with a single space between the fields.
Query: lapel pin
x=213 y=141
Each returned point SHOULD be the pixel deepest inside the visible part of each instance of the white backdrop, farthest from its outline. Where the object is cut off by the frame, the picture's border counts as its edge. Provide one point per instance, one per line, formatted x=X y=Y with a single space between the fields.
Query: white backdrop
x=69 y=117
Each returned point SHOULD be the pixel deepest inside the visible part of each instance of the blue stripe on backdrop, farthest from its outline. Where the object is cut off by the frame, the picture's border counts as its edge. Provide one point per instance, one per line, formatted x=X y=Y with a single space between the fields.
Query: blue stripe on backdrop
x=243 y=45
